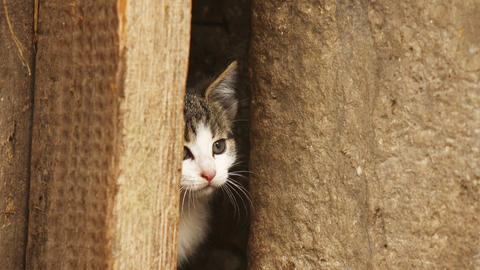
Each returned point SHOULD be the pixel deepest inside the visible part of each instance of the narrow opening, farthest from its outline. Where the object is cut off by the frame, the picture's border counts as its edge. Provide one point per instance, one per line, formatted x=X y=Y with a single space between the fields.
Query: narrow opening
x=220 y=35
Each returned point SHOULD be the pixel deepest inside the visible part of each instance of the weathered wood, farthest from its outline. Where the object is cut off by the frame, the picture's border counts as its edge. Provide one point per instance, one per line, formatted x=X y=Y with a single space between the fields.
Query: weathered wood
x=365 y=143
x=16 y=61
x=155 y=35
x=107 y=134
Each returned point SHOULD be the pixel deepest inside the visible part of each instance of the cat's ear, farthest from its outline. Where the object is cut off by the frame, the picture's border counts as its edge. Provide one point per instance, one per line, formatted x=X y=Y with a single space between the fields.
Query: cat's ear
x=222 y=91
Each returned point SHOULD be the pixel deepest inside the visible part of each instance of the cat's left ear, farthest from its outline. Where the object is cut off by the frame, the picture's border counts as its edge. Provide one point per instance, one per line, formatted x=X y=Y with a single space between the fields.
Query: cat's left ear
x=222 y=90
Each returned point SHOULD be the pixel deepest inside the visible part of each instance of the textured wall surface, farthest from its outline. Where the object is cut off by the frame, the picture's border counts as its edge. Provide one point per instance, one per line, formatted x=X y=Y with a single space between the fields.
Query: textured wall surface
x=106 y=149
x=16 y=62
x=365 y=134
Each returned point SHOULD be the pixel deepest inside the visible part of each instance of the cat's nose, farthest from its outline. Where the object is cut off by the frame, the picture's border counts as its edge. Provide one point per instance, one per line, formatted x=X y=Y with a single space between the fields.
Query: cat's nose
x=208 y=175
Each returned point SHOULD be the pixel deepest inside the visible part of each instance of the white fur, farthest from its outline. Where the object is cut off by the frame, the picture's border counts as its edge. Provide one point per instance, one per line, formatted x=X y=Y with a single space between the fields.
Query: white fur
x=197 y=191
x=193 y=229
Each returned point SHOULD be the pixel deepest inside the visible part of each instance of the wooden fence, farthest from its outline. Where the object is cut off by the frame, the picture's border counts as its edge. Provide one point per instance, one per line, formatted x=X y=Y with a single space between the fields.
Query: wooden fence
x=365 y=133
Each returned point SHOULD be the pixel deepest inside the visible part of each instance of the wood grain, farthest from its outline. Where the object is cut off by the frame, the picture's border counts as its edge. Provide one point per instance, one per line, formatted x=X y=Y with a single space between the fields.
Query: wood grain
x=107 y=134
x=16 y=54
x=146 y=206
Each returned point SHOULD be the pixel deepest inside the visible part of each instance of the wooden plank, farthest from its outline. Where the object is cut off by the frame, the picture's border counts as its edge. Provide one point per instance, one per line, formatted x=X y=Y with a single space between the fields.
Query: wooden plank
x=156 y=38
x=16 y=54
x=107 y=134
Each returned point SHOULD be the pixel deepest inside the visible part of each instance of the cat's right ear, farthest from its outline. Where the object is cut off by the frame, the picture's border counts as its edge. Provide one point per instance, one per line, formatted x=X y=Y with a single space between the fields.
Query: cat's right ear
x=222 y=90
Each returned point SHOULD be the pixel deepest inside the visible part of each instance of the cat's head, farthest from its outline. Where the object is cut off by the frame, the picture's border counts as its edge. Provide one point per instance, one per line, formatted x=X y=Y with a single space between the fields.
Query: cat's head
x=209 y=147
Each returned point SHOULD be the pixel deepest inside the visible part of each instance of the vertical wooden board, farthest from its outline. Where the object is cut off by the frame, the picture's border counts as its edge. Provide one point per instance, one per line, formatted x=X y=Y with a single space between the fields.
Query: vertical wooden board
x=155 y=39
x=16 y=54
x=107 y=134
x=74 y=135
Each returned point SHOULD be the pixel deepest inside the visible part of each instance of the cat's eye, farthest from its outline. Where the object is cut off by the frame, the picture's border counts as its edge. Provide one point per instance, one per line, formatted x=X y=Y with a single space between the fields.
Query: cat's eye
x=187 y=154
x=219 y=147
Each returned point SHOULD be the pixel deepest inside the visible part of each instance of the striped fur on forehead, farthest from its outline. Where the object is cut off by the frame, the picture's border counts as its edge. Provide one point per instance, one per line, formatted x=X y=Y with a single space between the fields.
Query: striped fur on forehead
x=198 y=110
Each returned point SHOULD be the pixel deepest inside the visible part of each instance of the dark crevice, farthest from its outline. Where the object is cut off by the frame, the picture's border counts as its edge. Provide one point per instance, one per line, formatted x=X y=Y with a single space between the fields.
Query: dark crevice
x=33 y=62
x=219 y=35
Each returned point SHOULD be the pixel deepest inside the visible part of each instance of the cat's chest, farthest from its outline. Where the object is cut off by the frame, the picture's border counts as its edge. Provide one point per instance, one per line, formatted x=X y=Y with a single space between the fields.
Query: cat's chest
x=193 y=229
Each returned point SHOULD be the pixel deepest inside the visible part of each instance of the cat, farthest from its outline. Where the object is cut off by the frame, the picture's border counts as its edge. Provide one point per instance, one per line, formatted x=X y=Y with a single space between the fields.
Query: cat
x=209 y=152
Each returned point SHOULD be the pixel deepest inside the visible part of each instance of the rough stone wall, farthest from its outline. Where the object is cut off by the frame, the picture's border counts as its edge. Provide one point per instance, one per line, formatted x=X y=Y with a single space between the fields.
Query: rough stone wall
x=365 y=134
x=16 y=64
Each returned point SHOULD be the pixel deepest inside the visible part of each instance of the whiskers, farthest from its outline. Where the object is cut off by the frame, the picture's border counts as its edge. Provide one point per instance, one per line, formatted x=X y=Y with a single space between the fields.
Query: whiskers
x=189 y=194
x=234 y=190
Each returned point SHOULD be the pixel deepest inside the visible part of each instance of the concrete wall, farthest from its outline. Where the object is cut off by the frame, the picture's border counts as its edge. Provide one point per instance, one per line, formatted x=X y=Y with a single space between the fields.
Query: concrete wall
x=365 y=134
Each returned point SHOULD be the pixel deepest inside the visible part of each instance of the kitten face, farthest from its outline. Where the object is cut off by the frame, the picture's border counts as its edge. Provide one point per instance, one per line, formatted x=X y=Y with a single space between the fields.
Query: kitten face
x=207 y=158
x=209 y=147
